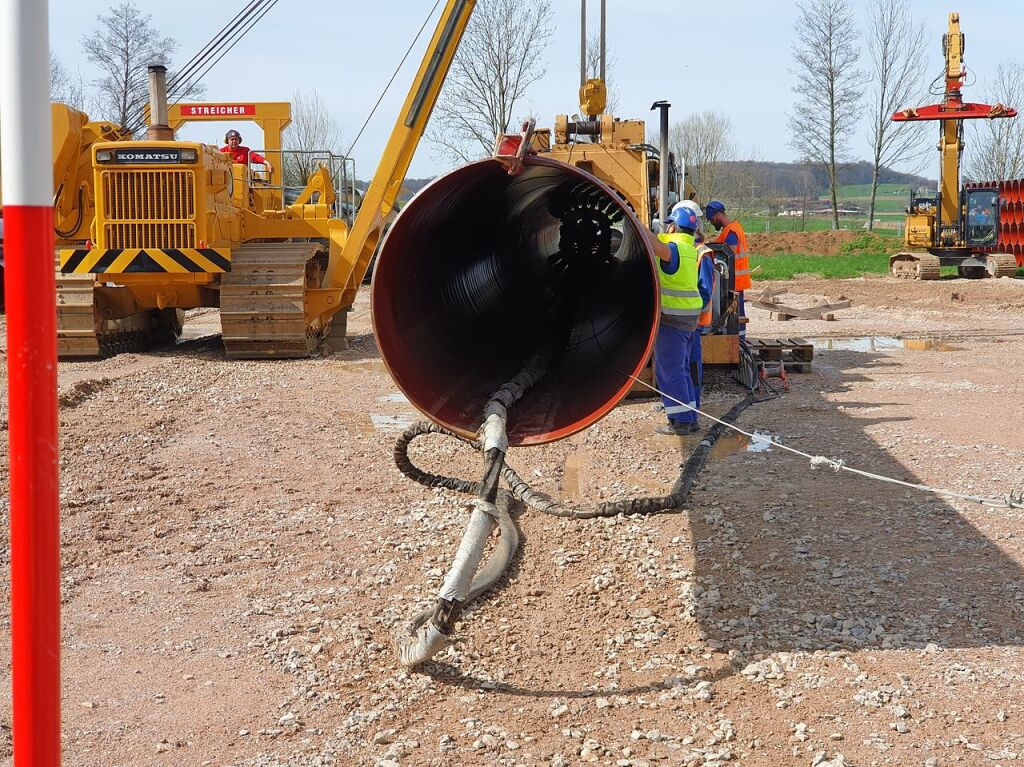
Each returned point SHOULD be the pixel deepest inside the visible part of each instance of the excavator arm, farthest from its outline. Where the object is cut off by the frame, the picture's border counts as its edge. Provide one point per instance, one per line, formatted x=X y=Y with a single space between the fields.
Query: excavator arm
x=952 y=112
x=346 y=272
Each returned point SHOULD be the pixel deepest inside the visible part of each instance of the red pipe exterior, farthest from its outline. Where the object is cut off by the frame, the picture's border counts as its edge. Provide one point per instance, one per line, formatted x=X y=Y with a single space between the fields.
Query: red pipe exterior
x=482 y=269
x=35 y=538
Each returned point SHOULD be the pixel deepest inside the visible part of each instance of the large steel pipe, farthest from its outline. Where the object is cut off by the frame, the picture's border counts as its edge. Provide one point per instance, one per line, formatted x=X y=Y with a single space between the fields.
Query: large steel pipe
x=482 y=269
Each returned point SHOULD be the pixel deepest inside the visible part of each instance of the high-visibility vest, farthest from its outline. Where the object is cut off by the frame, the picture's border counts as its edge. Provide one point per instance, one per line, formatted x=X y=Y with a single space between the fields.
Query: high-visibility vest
x=742 y=263
x=703 y=251
x=679 y=294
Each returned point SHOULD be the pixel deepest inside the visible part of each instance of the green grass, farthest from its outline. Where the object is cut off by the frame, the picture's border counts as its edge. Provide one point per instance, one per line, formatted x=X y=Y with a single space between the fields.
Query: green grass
x=758 y=224
x=864 y=190
x=867 y=254
x=786 y=266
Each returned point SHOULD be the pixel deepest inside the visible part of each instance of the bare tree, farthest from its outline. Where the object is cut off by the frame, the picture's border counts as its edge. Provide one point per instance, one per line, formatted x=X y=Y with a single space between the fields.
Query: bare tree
x=996 y=149
x=742 y=184
x=65 y=87
x=123 y=44
x=703 y=141
x=896 y=50
x=499 y=58
x=313 y=134
x=826 y=112
x=594 y=70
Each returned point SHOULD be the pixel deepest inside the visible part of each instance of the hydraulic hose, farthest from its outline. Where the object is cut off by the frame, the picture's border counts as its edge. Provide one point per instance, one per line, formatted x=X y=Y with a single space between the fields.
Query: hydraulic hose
x=427 y=633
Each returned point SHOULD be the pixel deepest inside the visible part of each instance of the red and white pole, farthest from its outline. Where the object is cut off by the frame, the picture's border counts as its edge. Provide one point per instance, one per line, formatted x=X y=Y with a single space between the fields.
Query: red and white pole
x=25 y=137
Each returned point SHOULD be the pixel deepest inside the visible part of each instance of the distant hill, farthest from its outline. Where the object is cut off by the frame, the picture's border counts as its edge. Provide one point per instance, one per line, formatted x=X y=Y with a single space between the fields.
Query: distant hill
x=790 y=179
x=409 y=188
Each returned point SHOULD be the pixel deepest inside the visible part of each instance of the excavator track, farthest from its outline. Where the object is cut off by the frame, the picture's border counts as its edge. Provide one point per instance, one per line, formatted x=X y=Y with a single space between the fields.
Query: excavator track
x=262 y=302
x=914 y=266
x=1001 y=265
x=83 y=334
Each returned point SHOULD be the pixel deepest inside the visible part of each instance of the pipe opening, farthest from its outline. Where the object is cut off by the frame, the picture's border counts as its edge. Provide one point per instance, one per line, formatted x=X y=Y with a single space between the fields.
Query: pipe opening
x=482 y=269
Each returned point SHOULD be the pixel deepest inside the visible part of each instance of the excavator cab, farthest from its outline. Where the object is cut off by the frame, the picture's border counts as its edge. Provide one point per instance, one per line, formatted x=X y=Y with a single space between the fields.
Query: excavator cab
x=982 y=217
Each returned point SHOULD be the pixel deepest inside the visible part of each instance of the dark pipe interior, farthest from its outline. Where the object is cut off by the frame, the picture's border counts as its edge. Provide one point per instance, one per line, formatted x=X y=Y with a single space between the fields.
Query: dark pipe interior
x=482 y=268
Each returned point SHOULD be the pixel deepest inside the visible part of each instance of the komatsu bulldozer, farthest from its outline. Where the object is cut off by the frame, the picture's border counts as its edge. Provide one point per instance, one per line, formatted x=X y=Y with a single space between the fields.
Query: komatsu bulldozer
x=177 y=225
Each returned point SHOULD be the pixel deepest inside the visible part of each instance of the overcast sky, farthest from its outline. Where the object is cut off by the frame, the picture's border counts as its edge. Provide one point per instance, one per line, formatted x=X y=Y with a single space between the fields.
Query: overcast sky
x=733 y=57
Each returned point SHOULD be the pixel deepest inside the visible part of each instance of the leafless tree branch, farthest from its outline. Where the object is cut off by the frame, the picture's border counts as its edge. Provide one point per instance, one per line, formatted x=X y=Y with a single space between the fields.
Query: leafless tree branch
x=123 y=44
x=703 y=141
x=896 y=53
x=498 y=60
x=827 y=108
x=996 y=149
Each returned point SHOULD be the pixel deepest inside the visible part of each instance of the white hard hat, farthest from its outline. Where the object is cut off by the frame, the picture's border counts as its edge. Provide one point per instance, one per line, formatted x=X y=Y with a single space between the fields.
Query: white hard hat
x=689 y=205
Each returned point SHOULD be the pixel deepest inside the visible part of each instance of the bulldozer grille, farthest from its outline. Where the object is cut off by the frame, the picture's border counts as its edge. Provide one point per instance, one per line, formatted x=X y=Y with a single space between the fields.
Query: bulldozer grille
x=149 y=209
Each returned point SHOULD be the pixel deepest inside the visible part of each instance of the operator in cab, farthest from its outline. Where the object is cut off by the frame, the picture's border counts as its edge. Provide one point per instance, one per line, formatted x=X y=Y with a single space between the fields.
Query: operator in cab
x=732 y=234
x=243 y=155
x=684 y=298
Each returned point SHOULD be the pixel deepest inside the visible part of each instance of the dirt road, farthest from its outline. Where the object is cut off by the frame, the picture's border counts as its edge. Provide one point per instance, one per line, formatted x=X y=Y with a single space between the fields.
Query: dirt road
x=238 y=549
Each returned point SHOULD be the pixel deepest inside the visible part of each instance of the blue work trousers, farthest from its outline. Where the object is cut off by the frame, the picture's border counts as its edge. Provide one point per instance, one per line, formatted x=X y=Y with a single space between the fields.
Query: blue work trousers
x=697 y=366
x=673 y=350
x=742 y=313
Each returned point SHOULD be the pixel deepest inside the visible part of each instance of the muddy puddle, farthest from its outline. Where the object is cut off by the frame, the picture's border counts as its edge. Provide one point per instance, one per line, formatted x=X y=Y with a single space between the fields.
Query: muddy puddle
x=884 y=344
x=728 y=444
x=392 y=422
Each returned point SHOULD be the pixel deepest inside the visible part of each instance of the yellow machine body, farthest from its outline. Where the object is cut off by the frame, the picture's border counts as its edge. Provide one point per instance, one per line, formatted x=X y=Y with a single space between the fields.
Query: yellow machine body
x=178 y=225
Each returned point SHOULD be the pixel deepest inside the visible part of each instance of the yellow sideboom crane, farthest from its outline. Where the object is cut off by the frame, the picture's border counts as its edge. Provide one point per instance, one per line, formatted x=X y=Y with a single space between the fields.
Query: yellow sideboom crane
x=939 y=230
x=178 y=226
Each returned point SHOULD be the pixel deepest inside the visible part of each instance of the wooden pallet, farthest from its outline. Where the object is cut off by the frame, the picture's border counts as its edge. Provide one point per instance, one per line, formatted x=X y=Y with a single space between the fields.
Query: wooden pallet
x=795 y=353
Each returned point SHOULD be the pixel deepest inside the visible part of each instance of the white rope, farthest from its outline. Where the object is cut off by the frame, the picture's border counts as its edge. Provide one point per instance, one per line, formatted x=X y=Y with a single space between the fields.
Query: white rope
x=1012 y=501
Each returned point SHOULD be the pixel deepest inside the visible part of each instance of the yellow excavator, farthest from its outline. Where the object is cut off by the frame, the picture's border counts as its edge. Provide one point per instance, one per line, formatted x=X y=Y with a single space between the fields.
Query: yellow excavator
x=177 y=225
x=954 y=227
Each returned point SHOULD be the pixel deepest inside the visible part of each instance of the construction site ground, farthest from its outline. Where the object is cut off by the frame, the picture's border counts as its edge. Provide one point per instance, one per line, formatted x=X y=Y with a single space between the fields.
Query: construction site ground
x=238 y=549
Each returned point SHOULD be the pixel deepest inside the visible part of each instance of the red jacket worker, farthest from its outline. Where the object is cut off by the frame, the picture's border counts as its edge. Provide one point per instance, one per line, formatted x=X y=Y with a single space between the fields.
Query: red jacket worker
x=243 y=155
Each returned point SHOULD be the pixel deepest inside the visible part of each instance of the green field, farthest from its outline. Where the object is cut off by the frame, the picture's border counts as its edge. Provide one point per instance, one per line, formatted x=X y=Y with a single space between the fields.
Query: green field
x=786 y=266
x=758 y=224
x=867 y=254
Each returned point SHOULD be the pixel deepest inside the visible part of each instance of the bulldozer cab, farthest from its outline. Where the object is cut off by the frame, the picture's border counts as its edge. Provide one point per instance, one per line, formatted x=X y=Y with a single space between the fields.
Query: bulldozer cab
x=262 y=191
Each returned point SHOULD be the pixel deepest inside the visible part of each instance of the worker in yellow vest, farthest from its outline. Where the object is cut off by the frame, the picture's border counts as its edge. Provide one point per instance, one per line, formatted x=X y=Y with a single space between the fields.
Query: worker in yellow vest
x=683 y=299
x=732 y=234
x=706 y=273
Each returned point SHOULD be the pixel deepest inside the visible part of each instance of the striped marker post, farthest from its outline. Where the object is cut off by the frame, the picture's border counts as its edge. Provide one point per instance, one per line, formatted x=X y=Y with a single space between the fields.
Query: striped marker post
x=32 y=381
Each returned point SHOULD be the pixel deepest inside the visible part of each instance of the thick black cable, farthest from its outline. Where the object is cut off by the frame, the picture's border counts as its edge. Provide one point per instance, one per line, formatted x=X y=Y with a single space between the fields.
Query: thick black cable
x=180 y=87
x=138 y=116
x=543 y=503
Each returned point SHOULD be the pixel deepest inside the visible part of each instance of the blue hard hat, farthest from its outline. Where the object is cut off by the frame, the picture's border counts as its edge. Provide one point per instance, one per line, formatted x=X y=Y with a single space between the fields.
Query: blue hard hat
x=714 y=207
x=684 y=218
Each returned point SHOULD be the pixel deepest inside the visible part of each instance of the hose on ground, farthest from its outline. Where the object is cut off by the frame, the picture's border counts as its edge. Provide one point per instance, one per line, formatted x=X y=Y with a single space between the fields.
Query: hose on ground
x=522 y=491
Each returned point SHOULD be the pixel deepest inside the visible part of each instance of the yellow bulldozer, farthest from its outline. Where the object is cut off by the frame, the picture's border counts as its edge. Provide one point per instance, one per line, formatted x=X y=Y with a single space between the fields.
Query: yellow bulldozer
x=176 y=225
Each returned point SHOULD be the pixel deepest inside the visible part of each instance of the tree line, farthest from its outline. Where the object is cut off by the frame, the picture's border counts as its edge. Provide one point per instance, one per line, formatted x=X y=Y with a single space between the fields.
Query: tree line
x=125 y=42
x=839 y=83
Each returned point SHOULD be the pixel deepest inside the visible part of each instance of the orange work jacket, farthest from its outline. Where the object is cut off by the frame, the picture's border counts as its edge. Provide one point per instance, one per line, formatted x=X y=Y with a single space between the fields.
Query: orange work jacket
x=742 y=263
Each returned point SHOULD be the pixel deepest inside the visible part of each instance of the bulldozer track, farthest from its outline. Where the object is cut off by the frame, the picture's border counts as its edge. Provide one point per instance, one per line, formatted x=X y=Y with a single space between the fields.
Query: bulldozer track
x=1001 y=264
x=262 y=302
x=83 y=334
x=914 y=266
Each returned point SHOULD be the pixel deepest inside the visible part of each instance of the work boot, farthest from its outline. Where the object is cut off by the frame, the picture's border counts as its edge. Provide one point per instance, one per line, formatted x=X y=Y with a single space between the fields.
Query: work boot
x=677 y=428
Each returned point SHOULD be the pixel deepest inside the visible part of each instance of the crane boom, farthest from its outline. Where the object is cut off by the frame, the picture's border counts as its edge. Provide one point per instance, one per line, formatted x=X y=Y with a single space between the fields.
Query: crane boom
x=387 y=182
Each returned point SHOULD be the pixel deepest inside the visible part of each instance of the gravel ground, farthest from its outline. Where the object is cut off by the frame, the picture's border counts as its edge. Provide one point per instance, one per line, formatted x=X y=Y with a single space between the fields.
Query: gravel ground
x=238 y=549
